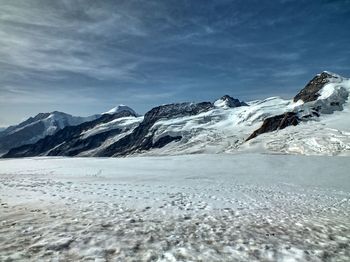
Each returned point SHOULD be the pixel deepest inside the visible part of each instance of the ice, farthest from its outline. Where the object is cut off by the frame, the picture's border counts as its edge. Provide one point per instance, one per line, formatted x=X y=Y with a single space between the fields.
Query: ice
x=209 y=207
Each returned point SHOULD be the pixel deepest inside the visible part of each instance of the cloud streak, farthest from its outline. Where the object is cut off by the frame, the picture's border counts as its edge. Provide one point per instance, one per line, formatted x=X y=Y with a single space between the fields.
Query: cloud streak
x=145 y=53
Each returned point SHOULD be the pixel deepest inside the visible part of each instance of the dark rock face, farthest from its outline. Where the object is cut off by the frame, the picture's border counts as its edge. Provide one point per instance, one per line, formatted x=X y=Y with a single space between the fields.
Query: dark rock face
x=68 y=141
x=176 y=110
x=139 y=140
x=232 y=102
x=310 y=91
x=73 y=147
x=275 y=123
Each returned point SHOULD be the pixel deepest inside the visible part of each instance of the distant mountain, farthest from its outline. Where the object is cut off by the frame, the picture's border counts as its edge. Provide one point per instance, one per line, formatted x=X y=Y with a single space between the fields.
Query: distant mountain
x=229 y=102
x=120 y=108
x=82 y=138
x=315 y=121
x=37 y=127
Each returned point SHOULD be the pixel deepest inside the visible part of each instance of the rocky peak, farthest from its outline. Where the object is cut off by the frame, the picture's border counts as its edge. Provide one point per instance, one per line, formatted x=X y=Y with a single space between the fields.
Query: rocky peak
x=229 y=102
x=310 y=91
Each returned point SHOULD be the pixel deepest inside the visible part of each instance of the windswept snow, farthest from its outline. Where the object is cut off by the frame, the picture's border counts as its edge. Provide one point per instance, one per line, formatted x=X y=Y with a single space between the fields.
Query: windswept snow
x=116 y=123
x=243 y=207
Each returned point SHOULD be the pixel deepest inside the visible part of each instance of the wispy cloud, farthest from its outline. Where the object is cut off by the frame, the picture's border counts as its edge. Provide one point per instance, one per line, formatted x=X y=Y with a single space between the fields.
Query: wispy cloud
x=41 y=38
x=91 y=53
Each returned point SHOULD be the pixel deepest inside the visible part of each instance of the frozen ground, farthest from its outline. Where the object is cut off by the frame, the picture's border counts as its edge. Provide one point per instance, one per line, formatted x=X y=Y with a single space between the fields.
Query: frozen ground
x=243 y=207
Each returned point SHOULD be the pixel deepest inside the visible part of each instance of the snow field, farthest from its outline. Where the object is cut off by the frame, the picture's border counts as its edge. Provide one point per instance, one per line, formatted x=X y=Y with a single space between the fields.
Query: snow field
x=243 y=207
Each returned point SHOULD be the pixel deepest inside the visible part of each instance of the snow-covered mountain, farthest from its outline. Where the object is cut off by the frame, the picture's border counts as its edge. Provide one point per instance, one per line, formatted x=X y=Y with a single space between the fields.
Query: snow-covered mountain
x=119 y=109
x=315 y=121
x=85 y=138
x=318 y=121
x=37 y=127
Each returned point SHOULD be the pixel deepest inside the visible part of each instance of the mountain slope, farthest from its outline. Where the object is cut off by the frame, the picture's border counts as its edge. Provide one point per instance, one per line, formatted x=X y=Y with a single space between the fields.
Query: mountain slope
x=323 y=126
x=142 y=139
x=73 y=140
x=37 y=127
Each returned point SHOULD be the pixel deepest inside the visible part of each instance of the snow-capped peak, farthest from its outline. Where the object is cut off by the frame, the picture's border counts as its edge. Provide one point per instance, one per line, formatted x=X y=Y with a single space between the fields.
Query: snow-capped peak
x=325 y=93
x=120 y=108
x=228 y=102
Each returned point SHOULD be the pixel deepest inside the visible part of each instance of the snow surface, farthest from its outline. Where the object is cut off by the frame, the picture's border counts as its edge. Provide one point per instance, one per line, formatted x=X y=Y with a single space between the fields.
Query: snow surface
x=127 y=124
x=221 y=103
x=116 y=123
x=217 y=207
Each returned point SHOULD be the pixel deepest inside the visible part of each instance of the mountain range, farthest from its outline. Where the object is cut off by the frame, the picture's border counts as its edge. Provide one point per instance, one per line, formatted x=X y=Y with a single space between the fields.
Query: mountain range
x=315 y=121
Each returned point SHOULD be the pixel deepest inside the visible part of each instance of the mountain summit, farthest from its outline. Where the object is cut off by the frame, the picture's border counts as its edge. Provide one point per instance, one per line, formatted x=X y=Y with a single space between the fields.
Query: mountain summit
x=229 y=102
x=120 y=108
x=311 y=91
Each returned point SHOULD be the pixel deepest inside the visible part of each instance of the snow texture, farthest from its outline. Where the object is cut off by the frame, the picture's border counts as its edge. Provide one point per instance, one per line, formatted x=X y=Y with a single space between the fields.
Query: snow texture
x=223 y=207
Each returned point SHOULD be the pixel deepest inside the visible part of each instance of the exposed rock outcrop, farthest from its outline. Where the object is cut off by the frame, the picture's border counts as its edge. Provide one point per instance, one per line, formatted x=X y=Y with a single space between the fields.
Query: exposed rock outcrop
x=275 y=123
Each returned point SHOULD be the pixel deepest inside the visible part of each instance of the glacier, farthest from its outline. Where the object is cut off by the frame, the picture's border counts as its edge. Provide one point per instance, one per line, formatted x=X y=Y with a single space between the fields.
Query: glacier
x=203 y=207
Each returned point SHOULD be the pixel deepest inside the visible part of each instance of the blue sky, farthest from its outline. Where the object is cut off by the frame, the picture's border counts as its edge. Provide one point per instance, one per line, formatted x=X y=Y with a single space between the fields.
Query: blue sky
x=84 y=57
